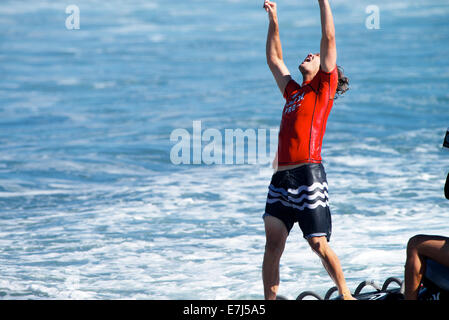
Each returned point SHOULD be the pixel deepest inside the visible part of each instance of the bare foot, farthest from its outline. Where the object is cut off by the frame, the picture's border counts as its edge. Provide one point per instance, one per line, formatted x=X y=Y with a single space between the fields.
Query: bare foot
x=347 y=296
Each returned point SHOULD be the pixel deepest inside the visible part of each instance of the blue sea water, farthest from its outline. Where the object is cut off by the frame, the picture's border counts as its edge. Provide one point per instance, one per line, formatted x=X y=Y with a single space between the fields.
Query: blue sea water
x=91 y=205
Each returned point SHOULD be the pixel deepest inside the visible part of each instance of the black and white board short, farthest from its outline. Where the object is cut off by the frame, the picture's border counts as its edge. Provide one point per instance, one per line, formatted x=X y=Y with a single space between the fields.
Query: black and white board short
x=301 y=195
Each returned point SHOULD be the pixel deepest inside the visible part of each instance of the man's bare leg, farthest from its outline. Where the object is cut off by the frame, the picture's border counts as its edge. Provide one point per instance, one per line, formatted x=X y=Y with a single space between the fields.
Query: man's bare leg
x=419 y=248
x=331 y=263
x=276 y=235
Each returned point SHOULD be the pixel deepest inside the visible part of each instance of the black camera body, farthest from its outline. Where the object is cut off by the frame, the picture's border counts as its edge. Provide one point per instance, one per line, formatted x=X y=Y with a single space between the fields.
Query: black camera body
x=446 y=140
x=446 y=187
x=446 y=145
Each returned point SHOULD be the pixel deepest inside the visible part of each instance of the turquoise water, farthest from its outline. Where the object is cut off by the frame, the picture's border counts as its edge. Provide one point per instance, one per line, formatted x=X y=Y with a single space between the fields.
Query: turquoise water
x=91 y=204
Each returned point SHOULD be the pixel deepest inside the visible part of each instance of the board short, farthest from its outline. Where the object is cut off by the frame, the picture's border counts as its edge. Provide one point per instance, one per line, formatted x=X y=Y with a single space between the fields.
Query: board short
x=301 y=195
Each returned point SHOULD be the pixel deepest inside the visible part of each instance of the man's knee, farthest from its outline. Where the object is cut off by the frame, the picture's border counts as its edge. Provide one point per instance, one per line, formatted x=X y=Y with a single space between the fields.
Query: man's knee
x=415 y=241
x=276 y=235
x=318 y=245
x=274 y=246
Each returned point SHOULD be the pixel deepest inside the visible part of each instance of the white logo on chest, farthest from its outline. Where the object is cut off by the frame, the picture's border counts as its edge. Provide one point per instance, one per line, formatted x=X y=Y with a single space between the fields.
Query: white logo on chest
x=295 y=103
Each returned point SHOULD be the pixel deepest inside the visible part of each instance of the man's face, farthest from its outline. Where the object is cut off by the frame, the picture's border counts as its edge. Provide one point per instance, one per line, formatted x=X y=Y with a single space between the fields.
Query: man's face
x=311 y=64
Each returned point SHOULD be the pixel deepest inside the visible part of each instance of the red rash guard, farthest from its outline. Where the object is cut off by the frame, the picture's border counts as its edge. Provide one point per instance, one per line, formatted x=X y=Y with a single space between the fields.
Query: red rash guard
x=304 y=118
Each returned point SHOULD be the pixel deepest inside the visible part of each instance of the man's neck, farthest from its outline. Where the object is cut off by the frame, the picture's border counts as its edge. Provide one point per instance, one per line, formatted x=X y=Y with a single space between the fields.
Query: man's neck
x=307 y=77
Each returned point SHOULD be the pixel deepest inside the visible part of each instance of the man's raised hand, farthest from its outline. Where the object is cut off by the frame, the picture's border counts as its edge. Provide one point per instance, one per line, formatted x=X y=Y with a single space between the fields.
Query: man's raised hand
x=270 y=8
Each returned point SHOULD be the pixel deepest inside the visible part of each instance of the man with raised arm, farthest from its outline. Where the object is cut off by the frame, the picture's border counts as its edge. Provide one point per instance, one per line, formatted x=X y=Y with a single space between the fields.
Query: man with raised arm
x=298 y=191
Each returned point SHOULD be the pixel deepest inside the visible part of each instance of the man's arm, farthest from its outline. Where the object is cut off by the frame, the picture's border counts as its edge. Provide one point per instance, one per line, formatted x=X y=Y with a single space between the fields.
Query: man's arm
x=274 y=49
x=328 y=48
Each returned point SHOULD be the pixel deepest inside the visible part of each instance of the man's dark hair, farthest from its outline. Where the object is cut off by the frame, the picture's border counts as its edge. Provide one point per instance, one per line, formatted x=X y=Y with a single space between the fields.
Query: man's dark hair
x=343 y=82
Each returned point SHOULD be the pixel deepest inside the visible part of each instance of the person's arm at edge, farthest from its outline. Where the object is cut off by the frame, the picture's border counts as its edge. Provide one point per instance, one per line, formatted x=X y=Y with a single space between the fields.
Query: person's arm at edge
x=328 y=48
x=274 y=49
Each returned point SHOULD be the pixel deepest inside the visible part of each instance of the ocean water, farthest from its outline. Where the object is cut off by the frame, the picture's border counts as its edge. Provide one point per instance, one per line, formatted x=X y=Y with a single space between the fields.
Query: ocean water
x=91 y=205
